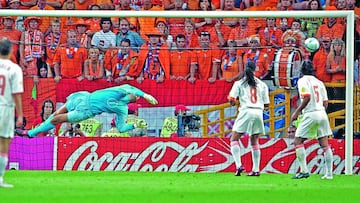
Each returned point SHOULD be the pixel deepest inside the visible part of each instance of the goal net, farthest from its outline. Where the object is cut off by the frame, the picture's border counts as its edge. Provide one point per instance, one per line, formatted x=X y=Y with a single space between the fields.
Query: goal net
x=188 y=60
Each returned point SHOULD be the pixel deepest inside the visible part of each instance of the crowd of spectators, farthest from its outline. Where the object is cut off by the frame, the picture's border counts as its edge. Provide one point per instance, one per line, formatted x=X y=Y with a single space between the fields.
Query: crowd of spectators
x=189 y=49
x=119 y=49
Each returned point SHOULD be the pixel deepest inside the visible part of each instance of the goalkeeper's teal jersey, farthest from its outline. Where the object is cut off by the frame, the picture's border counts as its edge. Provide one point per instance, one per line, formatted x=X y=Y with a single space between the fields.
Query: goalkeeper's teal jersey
x=110 y=100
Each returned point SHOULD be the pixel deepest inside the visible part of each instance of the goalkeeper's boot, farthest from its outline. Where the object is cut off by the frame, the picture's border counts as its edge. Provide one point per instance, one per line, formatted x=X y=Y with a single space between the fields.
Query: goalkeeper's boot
x=239 y=170
x=252 y=173
x=327 y=177
x=5 y=185
x=21 y=132
x=301 y=175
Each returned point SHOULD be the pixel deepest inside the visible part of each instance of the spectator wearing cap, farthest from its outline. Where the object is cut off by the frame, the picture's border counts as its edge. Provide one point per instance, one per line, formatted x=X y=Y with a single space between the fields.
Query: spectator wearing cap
x=12 y=34
x=31 y=47
x=19 y=20
x=105 y=38
x=46 y=20
x=170 y=126
x=153 y=61
x=133 y=117
x=82 y=33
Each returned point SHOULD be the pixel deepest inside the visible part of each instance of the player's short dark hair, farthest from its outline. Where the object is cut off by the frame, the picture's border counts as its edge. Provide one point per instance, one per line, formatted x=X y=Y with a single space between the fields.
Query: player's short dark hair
x=5 y=46
x=307 y=68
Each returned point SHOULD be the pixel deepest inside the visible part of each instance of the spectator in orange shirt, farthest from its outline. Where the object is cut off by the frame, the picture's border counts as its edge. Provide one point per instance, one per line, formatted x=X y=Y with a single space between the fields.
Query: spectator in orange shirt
x=258 y=56
x=67 y=23
x=331 y=28
x=83 y=4
x=13 y=35
x=256 y=23
x=154 y=60
x=167 y=38
x=319 y=60
x=82 y=33
x=336 y=61
x=270 y=36
x=146 y=25
x=170 y=4
x=205 y=24
x=53 y=40
x=240 y=34
x=203 y=61
x=93 y=66
x=32 y=47
x=229 y=5
x=219 y=33
x=191 y=37
x=69 y=59
x=180 y=60
x=43 y=5
x=176 y=25
x=93 y=22
x=118 y=62
x=232 y=64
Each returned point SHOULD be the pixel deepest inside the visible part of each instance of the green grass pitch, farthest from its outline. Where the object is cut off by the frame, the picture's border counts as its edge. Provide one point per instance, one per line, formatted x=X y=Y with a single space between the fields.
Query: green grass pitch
x=166 y=187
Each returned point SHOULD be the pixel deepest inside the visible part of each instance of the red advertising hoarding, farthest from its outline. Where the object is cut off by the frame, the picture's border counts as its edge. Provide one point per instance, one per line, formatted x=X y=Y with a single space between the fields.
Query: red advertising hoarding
x=191 y=155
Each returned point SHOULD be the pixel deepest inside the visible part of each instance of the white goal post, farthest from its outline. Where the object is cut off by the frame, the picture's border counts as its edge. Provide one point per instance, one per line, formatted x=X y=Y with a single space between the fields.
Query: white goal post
x=349 y=15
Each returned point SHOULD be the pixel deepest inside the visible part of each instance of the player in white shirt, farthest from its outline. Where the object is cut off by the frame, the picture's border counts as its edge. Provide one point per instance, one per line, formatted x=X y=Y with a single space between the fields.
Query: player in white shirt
x=315 y=122
x=11 y=87
x=253 y=95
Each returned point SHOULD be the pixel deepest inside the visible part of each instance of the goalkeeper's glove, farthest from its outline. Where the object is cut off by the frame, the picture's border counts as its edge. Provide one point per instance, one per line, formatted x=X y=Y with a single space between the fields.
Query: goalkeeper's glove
x=150 y=99
x=140 y=124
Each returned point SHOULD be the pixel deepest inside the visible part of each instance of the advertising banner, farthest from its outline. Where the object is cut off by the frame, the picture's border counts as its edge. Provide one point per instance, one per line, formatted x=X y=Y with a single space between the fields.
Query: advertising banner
x=191 y=155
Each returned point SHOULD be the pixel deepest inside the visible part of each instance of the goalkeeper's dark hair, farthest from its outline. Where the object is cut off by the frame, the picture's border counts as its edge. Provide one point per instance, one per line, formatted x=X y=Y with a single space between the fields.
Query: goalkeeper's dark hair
x=249 y=73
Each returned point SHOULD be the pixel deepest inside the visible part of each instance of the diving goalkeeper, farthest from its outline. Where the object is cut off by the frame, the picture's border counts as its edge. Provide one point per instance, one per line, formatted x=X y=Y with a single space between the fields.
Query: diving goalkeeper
x=82 y=105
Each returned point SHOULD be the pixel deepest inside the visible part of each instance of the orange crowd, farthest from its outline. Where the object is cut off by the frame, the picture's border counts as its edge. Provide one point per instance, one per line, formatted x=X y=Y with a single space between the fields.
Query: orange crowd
x=118 y=49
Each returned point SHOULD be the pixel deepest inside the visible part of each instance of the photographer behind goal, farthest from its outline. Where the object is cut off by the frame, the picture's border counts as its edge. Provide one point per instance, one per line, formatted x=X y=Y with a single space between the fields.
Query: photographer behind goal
x=181 y=124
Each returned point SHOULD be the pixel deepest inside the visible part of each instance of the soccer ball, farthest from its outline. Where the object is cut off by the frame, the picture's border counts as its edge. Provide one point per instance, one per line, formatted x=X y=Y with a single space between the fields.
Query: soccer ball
x=312 y=44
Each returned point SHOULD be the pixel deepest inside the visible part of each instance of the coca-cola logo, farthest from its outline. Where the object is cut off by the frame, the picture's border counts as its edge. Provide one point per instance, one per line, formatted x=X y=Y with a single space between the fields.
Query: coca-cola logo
x=156 y=152
x=196 y=155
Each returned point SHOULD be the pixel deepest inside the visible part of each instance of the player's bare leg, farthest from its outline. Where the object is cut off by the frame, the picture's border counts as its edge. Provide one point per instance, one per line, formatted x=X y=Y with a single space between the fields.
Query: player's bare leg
x=59 y=116
x=255 y=153
x=301 y=157
x=328 y=155
x=235 y=151
x=4 y=150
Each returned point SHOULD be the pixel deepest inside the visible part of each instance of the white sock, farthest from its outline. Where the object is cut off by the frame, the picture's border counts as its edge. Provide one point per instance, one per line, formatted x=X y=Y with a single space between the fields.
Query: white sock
x=255 y=153
x=301 y=157
x=328 y=154
x=235 y=151
x=3 y=163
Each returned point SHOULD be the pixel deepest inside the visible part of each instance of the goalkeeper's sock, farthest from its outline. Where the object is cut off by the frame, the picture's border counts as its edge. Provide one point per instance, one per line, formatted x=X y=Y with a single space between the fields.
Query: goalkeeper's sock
x=235 y=151
x=255 y=153
x=328 y=154
x=3 y=163
x=44 y=127
x=301 y=157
